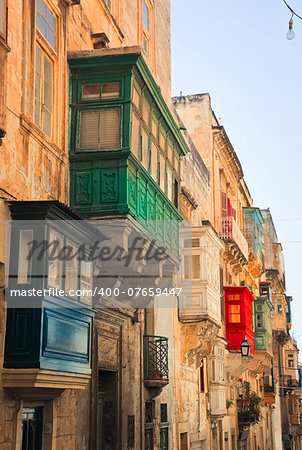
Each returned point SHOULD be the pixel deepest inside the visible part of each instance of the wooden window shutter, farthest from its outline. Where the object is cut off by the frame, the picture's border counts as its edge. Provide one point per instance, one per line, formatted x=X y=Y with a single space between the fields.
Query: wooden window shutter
x=89 y=129
x=234 y=213
x=109 y=129
x=223 y=204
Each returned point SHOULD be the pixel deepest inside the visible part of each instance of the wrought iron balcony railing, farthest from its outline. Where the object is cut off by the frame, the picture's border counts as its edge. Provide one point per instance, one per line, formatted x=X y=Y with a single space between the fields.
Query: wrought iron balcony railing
x=248 y=412
x=230 y=231
x=156 y=367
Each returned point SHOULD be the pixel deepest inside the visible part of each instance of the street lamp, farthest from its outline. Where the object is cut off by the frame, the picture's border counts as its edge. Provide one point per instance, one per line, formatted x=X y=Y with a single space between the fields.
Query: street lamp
x=245 y=348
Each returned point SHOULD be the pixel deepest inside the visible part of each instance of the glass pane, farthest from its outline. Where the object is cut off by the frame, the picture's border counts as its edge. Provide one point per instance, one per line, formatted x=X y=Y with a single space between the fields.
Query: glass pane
x=169 y=184
x=154 y=126
x=135 y=135
x=50 y=36
x=24 y=264
x=40 y=22
x=145 y=45
x=162 y=172
x=146 y=15
x=111 y=90
x=109 y=129
x=146 y=111
x=51 y=20
x=89 y=129
x=90 y=91
x=195 y=267
x=154 y=153
x=2 y=17
x=136 y=98
x=47 y=97
x=86 y=281
x=37 y=87
x=170 y=153
x=162 y=140
x=46 y=22
x=189 y=243
x=71 y=270
x=55 y=267
x=145 y=149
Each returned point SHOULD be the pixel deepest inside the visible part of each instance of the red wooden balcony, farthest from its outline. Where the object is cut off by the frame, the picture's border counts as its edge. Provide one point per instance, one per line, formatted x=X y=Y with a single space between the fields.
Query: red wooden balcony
x=239 y=317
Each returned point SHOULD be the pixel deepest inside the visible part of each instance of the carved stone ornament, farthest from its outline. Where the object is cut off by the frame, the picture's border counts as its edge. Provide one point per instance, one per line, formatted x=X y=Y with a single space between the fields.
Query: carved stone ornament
x=235 y=366
x=281 y=337
x=259 y=364
x=206 y=336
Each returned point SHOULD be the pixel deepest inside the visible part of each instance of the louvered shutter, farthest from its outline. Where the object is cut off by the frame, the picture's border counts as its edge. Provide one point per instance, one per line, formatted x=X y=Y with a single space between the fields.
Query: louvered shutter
x=89 y=129
x=109 y=129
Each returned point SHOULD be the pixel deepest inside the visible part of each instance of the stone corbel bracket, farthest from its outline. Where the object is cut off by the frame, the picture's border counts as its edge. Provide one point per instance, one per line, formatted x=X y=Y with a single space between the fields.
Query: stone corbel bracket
x=206 y=336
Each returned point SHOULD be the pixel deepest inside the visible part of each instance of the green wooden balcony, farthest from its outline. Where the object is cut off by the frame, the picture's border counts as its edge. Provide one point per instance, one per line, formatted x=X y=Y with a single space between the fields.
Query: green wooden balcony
x=124 y=144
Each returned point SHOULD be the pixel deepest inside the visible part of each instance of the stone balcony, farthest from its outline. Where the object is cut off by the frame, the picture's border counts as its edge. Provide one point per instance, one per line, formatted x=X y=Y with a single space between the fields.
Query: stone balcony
x=236 y=244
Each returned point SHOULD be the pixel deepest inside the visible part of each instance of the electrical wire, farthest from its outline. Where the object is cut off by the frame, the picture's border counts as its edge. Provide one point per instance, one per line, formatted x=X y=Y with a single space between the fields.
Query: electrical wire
x=292 y=11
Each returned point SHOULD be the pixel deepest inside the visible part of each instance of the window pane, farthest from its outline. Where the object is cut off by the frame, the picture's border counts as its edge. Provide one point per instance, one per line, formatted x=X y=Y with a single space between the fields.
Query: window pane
x=136 y=98
x=170 y=153
x=234 y=313
x=145 y=149
x=145 y=45
x=192 y=267
x=90 y=91
x=55 y=266
x=135 y=135
x=86 y=281
x=162 y=171
x=37 y=87
x=89 y=129
x=162 y=140
x=154 y=161
x=46 y=22
x=169 y=184
x=154 y=127
x=146 y=15
x=146 y=111
x=195 y=267
x=24 y=264
x=189 y=243
x=2 y=17
x=47 y=107
x=111 y=90
x=109 y=129
x=71 y=269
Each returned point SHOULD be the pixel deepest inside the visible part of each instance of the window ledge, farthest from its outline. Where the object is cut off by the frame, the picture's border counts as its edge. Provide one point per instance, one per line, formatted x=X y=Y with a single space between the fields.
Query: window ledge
x=4 y=44
x=28 y=125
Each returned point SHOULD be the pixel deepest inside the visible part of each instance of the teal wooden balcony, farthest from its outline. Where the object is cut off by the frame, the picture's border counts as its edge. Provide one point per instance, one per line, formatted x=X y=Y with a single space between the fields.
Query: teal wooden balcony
x=262 y=309
x=253 y=221
x=48 y=335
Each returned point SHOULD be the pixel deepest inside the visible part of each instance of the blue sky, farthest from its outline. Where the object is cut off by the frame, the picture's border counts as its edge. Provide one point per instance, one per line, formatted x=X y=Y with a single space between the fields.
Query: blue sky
x=237 y=51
